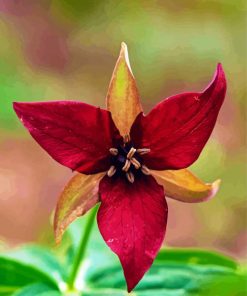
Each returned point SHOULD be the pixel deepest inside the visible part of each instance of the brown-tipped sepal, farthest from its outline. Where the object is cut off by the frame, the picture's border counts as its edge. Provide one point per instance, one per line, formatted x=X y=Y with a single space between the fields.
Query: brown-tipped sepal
x=78 y=196
x=183 y=186
x=123 y=100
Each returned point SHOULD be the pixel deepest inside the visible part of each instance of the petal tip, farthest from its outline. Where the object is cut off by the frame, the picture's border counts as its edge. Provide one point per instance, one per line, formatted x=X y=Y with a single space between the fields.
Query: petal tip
x=15 y=105
x=218 y=83
x=220 y=73
x=125 y=55
x=219 y=69
x=124 y=46
x=132 y=283
x=215 y=188
x=19 y=107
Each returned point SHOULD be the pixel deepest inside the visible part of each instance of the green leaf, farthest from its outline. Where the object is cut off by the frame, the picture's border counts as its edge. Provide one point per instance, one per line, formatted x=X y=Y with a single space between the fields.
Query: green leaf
x=196 y=256
x=14 y=275
x=106 y=292
x=42 y=259
x=177 y=273
x=37 y=290
x=232 y=285
x=27 y=265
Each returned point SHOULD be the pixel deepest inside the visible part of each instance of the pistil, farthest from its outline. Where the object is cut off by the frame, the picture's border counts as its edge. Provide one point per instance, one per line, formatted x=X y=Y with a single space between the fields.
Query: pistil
x=126 y=159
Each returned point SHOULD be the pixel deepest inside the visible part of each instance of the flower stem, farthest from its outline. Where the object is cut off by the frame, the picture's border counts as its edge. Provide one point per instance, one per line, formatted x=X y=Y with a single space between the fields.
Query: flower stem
x=82 y=248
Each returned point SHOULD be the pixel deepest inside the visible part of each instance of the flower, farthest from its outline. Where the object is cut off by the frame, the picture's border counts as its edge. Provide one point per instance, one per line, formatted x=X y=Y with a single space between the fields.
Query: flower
x=127 y=161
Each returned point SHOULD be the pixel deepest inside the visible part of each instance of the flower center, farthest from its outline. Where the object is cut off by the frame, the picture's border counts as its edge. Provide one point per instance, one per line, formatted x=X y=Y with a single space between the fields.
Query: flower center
x=126 y=159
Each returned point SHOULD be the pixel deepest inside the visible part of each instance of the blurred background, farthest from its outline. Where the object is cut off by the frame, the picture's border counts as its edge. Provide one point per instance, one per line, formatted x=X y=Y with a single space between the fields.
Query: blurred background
x=67 y=49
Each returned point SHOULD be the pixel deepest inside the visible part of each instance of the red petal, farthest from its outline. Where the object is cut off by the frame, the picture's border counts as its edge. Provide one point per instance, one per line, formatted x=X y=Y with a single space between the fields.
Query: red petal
x=75 y=134
x=132 y=220
x=177 y=129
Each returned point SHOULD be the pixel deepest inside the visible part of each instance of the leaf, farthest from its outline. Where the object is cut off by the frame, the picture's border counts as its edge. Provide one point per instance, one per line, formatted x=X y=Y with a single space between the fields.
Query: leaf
x=226 y=286
x=78 y=196
x=178 y=273
x=123 y=99
x=182 y=185
x=106 y=292
x=196 y=256
x=38 y=257
x=14 y=275
x=37 y=290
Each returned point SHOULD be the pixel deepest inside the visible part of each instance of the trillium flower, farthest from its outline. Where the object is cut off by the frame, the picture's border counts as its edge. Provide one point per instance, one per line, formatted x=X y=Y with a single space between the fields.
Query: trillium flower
x=127 y=161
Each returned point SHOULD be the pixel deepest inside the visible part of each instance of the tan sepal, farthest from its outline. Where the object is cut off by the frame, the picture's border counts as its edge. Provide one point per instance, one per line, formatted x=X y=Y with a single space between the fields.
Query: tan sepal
x=182 y=185
x=123 y=99
x=78 y=196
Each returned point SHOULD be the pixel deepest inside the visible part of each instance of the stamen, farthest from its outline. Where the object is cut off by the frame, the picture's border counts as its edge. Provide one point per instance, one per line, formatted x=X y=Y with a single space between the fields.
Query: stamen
x=113 y=151
x=112 y=170
x=130 y=176
x=125 y=158
x=145 y=170
x=135 y=163
x=126 y=165
x=131 y=153
x=126 y=138
x=143 y=151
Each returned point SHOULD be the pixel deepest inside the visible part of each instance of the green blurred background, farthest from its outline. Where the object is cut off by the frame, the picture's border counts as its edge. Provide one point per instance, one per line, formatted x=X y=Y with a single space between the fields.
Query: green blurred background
x=67 y=49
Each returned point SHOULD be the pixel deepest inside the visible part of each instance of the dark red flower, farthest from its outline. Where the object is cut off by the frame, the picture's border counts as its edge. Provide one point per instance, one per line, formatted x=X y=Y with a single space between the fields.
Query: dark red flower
x=130 y=147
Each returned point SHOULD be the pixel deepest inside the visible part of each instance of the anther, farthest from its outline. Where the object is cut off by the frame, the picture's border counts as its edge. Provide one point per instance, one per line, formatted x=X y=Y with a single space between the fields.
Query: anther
x=130 y=176
x=111 y=171
x=126 y=138
x=143 y=151
x=131 y=153
x=113 y=151
x=126 y=165
x=135 y=163
x=145 y=170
